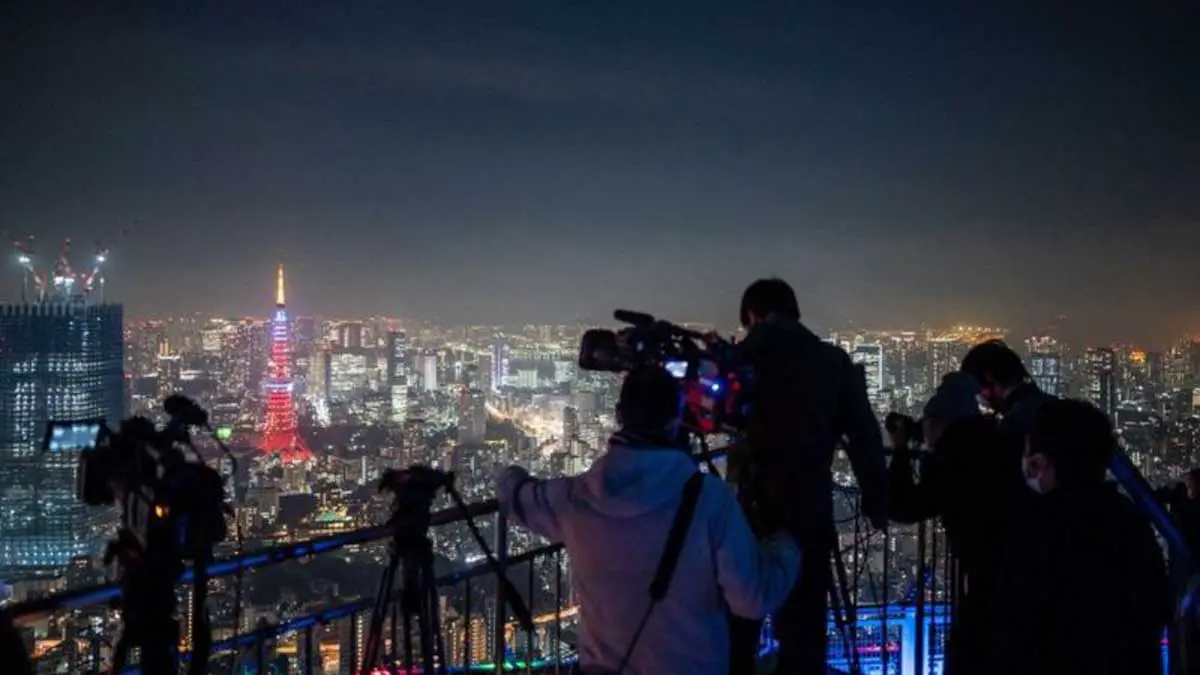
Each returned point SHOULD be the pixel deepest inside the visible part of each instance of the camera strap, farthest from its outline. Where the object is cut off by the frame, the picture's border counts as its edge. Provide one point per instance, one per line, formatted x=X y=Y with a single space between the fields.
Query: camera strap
x=670 y=557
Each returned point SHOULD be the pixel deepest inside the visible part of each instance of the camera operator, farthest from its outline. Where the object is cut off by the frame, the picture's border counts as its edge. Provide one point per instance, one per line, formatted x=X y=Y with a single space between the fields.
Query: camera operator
x=615 y=520
x=967 y=482
x=1006 y=386
x=807 y=395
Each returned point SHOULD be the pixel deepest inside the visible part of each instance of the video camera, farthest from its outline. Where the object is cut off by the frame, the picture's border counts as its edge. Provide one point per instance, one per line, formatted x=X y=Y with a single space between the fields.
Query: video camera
x=166 y=498
x=414 y=490
x=172 y=512
x=714 y=379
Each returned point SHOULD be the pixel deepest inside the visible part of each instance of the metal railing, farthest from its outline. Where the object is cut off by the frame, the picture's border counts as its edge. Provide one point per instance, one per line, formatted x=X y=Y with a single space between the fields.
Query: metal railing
x=464 y=653
x=869 y=638
x=889 y=633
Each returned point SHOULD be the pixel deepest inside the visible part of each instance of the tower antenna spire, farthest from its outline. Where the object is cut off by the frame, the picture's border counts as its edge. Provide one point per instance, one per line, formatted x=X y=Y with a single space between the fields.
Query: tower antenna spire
x=279 y=298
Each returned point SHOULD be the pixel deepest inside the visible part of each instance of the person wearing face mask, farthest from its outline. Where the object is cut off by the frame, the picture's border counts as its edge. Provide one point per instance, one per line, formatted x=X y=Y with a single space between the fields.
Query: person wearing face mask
x=1183 y=501
x=1083 y=586
x=615 y=520
x=968 y=481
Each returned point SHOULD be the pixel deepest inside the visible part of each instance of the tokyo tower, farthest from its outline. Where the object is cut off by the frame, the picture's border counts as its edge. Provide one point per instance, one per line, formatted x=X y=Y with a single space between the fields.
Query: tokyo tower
x=279 y=433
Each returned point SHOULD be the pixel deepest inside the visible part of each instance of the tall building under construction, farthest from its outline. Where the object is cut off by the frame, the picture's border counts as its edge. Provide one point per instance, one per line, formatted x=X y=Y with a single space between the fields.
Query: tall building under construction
x=61 y=359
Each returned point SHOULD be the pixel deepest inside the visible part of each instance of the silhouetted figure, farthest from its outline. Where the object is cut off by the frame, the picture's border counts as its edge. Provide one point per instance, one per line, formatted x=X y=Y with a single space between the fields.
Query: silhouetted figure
x=12 y=648
x=969 y=480
x=1183 y=501
x=806 y=397
x=615 y=519
x=1083 y=585
x=1006 y=386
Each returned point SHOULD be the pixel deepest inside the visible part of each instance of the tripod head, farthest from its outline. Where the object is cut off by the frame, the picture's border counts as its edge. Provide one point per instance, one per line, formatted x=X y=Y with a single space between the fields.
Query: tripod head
x=414 y=489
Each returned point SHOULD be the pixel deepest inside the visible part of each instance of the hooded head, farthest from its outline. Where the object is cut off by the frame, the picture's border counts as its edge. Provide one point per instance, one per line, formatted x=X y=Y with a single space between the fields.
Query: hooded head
x=649 y=404
x=643 y=468
x=956 y=398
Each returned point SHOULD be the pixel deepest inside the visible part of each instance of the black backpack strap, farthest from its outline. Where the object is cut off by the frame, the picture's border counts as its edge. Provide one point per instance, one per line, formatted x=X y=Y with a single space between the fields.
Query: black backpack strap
x=670 y=556
x=676 y=537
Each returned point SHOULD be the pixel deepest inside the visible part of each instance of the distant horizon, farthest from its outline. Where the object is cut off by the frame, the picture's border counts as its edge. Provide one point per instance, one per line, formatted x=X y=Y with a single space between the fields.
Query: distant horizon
x=919 y=330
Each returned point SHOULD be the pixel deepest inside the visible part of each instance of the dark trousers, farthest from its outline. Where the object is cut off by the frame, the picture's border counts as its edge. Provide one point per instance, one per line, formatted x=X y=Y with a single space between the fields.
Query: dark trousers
x=800 y=626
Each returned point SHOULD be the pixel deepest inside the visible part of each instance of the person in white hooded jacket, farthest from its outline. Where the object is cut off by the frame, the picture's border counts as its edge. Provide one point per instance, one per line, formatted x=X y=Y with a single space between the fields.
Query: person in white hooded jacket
x=614 y=520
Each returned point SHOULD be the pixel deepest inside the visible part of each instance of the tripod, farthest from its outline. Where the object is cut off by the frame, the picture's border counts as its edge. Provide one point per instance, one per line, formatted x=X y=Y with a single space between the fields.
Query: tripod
x=413 y=556
x=148 y=604
x=412 y=553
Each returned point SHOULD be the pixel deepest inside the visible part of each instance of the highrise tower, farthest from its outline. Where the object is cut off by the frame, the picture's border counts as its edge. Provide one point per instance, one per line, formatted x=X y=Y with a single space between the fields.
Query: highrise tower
x=61 y=359
x=279 y=432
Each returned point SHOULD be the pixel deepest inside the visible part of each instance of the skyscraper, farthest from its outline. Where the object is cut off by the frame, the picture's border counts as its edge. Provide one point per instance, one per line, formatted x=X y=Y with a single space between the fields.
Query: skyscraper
x=500 y=365
x=398 y=363
x=279 y=432
x=1045 y=364
x=1101 y=378
x=472 y=417
x=871 y=358
x=62 y=359
x=429 y=372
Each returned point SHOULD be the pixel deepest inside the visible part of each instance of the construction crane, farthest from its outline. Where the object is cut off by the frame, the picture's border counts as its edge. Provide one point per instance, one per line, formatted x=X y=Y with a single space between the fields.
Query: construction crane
x=94 y=278
x=25 y=260
x=62 y=275
x=63 y=281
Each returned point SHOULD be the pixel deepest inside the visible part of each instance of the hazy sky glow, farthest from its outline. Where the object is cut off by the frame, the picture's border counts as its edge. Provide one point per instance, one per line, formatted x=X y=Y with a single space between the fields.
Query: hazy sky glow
x=537 y=161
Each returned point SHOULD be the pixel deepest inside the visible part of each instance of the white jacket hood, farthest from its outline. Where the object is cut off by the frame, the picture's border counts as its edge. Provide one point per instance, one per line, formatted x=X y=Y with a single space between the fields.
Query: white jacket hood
x=629 y=482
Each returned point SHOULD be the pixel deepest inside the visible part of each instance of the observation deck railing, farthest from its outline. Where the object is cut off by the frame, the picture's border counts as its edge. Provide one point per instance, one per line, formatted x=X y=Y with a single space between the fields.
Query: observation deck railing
x=891 y=617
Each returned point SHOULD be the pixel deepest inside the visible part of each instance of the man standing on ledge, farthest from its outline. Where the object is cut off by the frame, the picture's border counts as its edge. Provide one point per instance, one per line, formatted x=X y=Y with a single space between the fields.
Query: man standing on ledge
x=807 y=396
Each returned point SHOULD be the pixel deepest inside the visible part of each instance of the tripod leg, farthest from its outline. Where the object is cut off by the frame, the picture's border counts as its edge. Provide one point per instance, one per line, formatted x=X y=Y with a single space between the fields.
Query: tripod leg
x=378 y=613
x=407 y=619
x=395 y=626
x=409 y=605
x=426 y=594
x=435 y=623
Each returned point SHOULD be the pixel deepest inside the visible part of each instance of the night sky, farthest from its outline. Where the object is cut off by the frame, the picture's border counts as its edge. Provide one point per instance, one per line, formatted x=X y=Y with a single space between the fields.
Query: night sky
x=507 y=161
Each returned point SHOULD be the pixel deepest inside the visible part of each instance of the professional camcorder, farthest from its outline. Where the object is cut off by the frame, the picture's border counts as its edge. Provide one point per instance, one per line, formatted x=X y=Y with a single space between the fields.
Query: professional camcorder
x=172 y=512
x=146 y=471
x=715 y=380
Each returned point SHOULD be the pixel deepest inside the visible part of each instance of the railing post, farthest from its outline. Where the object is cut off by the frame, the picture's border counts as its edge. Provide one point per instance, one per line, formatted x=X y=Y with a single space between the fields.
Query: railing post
x=467 y=660
x=500 y=547
x=558 y=603
x=95 y=667
x=311 y=660
x=532 y=610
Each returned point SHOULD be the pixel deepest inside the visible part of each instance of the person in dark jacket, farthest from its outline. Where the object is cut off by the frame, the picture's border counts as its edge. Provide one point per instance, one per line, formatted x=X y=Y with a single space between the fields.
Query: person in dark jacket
x=807 y=396
x=969 y=481
x=1182 y=499
x=1006 y=386
x=1083 y=587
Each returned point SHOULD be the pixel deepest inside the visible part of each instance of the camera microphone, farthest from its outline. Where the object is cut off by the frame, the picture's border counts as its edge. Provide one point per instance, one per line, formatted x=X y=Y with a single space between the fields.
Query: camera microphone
x=634 y=318
x=184 y=411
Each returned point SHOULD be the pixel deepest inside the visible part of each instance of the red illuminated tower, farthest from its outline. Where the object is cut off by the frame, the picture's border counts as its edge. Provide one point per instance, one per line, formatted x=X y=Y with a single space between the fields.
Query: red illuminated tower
x=279 y=433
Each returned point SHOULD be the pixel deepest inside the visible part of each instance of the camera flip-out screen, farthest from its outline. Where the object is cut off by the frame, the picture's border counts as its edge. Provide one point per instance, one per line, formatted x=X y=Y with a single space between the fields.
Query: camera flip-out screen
x=79 y=436
x=678 y=369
